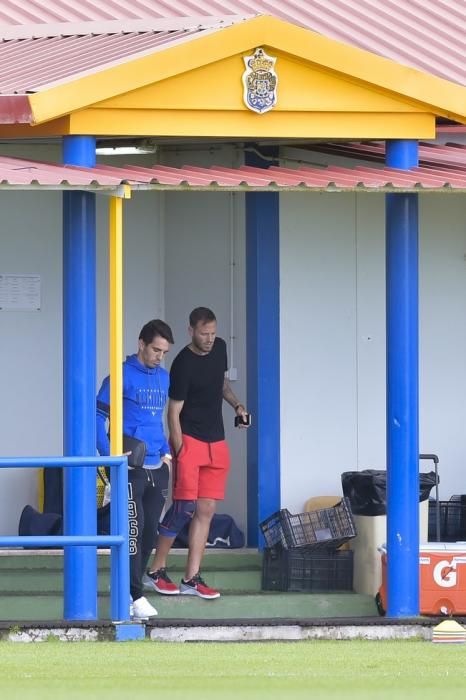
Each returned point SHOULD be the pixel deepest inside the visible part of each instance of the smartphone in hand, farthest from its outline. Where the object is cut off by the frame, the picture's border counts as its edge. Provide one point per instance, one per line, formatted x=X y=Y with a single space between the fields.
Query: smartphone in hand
x=243 y=420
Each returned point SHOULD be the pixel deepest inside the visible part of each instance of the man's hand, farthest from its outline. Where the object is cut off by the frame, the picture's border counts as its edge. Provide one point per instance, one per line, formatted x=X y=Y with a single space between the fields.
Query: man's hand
x=167 y=459
x=175 y=437
x=241 y=411
x=178 y=447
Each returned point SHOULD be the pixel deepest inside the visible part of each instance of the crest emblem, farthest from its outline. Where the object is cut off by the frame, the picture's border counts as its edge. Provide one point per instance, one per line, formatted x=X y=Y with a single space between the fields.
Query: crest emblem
x=260 y=82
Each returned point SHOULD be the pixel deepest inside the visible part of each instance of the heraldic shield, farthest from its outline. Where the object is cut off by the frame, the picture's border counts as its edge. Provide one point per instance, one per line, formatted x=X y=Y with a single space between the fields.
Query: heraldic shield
x=260 y=82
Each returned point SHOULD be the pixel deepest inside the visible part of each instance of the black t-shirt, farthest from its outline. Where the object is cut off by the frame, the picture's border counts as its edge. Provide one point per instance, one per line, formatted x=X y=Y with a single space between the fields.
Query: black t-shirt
x=198 y=381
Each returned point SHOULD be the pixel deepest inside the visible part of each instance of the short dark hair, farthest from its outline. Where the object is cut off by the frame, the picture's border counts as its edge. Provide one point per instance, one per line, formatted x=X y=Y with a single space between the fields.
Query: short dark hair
x=154 y=328
x=201 y=314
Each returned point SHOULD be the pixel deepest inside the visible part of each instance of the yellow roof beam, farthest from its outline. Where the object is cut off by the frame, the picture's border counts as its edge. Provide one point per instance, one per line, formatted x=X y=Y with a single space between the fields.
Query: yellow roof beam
x=235 y=124
x=246 y=124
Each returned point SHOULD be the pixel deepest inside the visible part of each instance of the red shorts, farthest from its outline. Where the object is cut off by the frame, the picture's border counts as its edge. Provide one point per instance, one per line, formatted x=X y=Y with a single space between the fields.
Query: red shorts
x=200 y=470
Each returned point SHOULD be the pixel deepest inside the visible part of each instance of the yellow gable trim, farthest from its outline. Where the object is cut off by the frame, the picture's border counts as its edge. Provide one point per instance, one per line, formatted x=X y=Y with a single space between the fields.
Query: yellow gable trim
x=433 y=94
x=302 y=87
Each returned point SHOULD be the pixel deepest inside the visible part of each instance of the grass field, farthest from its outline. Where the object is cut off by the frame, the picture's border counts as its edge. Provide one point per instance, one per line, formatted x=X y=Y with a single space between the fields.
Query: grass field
x=240 y=671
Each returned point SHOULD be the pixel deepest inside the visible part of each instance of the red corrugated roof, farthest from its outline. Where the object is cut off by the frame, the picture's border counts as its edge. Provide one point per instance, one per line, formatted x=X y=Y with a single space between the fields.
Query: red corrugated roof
x=277 y=178
x=432 y=155
x=29 y=65
x=20 y=172
x=426 y=34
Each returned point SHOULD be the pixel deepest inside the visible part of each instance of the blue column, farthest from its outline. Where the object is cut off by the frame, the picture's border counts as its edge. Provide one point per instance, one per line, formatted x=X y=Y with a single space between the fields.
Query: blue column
x=263 y=353
x=402 y=310
x=79 y=383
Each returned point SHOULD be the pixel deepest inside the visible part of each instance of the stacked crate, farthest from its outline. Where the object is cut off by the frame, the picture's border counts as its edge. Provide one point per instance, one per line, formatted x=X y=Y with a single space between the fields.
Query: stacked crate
x=450 y=518
x=302 y=551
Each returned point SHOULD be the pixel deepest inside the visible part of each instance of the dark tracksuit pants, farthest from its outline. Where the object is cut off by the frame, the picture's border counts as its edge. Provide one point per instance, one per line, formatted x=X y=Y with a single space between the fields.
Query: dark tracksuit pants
x=147 y=493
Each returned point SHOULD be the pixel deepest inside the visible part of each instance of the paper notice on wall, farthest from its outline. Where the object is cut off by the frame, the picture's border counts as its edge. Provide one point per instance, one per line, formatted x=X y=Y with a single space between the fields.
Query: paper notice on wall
x=19 y=292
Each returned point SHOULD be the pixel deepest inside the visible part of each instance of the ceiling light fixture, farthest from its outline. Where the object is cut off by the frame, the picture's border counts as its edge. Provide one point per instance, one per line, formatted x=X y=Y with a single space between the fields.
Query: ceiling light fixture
x=124 y=150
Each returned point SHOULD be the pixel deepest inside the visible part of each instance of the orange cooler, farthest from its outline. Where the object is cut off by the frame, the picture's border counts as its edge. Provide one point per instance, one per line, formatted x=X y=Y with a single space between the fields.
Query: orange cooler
x=442 y=579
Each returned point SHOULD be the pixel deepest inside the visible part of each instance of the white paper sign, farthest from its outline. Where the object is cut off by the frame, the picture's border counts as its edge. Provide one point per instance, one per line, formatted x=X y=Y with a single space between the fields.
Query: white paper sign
x=19 y=292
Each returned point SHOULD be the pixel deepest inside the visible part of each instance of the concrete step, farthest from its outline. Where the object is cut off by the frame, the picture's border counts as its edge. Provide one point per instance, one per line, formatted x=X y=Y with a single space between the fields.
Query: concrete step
x=31 y=589
x=50 y=581
x=42 y=572
x=265 y=605
x=214 y=560
x=298 y=606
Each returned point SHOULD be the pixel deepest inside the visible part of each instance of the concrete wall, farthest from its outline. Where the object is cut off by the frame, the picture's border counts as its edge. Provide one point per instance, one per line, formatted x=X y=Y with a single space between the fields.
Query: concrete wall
x=31 y=346
x=443 y=337
x=333 y=339
x=318 y=353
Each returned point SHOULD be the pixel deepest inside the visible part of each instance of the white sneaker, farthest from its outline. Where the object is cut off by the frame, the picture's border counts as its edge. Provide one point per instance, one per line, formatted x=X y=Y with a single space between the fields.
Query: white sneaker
x=131 y=606
x=142 y=609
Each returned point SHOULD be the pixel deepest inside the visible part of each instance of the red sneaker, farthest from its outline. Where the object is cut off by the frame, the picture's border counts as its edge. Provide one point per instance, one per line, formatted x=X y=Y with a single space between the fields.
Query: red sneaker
x=162 y=583
x=196 y=586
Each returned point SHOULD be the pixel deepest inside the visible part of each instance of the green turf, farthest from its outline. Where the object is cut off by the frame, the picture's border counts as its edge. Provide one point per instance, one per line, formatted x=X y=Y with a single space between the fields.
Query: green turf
x=269 y=671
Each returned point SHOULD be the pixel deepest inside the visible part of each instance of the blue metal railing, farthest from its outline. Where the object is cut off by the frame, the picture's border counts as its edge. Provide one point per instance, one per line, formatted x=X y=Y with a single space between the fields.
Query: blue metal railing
x=118 y=538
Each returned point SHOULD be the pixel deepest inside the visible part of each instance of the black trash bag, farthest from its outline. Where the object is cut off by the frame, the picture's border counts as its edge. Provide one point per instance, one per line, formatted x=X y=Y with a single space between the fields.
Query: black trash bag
x=367 y=490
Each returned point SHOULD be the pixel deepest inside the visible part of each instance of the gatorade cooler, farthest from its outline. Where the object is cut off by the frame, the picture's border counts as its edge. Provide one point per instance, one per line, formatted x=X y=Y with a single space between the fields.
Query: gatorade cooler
x=442 y=579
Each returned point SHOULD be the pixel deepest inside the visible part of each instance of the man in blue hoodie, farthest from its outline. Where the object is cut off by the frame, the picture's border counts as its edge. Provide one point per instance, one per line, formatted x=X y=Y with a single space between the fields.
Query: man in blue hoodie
x=145 y=392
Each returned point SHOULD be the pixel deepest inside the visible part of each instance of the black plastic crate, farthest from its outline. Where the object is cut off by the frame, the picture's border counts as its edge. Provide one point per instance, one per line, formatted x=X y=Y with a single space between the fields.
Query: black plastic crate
x=452 y=516
x=307 y=570
x=326 y=528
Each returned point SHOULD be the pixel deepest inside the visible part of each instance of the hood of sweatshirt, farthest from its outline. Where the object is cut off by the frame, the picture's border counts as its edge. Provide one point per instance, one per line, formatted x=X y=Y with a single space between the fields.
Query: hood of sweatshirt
x=133 y=361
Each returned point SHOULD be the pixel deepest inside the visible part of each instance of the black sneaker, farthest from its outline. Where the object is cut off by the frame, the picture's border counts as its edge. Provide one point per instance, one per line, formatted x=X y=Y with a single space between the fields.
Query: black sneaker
x=196 y=586
x=161 y=582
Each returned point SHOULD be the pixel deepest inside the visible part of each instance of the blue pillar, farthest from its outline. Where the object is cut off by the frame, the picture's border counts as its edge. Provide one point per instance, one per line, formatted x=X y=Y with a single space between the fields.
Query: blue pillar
x=79 y=383
x=402 y=310
x=263 y=353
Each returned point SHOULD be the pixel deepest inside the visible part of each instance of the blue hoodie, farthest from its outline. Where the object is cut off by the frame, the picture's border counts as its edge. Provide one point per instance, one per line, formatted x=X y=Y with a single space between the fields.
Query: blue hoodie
x=145 y=391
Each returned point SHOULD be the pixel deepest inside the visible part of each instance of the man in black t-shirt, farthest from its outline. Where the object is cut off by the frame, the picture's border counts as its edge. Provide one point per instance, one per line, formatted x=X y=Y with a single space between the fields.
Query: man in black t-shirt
x=201 y=461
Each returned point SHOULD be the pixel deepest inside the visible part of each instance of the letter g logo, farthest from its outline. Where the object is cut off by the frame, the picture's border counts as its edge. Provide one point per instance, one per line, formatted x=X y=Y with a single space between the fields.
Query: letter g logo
x=445 y=573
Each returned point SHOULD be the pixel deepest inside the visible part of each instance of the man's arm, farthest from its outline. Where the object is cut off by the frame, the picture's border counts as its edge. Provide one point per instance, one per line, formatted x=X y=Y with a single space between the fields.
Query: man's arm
x=174 y=426
x=102 y=418
x=165 y=453
x=230 y=397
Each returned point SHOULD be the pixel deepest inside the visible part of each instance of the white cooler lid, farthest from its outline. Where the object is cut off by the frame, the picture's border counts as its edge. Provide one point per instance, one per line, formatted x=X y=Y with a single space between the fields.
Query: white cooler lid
x=454 y=547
